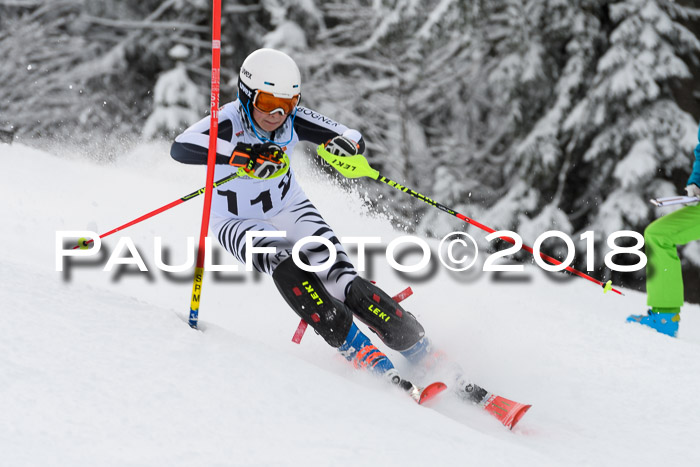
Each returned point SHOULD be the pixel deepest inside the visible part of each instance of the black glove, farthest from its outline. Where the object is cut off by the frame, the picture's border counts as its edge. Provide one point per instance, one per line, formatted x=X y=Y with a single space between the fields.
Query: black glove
x=259 y=160
x=342 y=146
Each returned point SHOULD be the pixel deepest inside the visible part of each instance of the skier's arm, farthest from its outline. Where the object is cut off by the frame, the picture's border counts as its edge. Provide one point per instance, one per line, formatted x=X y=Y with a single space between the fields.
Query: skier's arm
x=192 y=146
x=316 y=128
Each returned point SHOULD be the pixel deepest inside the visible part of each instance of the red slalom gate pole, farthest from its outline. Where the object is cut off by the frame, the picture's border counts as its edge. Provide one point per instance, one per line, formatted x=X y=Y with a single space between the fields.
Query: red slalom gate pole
x=211 y=159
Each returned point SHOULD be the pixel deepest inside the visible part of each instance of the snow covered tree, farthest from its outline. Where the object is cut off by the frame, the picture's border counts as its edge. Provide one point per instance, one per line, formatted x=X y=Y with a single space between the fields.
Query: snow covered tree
x=609 y=134
x=627 y=131
x=178 y=102
x=85 y=70
x=376 y=66
x=528 y=115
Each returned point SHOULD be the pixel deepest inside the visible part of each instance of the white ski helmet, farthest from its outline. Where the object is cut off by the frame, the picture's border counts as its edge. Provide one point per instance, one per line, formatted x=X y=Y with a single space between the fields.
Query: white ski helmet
x=269 y=71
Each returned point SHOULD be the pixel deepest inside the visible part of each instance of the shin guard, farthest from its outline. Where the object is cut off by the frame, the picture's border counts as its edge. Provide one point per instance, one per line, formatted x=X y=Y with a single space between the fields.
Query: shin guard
x=307 y=296
x=396 y=327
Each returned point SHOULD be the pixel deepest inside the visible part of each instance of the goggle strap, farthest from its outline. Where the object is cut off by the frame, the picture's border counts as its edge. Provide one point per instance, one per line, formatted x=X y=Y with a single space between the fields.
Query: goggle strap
x=262 y=138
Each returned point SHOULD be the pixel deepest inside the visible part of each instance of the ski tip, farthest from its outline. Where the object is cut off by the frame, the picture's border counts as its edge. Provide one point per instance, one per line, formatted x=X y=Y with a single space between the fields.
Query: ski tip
x=430 y=391
x=506 y=411
x=518 y=415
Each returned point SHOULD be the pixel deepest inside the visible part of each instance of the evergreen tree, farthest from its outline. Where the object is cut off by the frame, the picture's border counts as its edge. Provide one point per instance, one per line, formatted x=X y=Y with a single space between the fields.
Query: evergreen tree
x=85 y=70
x=178 y=101
x=527 y=115
x=627 y=123
x=626 y=135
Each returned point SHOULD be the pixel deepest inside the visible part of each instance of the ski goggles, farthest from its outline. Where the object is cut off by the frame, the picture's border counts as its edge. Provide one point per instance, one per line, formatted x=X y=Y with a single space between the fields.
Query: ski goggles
x=269 y=103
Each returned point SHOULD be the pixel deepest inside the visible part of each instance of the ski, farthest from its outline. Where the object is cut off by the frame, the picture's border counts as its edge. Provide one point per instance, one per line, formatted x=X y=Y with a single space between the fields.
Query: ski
x=430 y=391
x=424 y=394
x=507 y=411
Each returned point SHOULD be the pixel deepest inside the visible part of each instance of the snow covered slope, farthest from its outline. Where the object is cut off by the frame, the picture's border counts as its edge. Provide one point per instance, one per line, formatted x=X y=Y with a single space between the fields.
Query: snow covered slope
x=100 y=368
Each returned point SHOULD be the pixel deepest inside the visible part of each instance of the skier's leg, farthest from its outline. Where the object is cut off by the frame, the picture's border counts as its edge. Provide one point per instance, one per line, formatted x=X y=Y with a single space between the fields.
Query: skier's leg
x=304 y=291
x=232 y=236
x=400 y=331
x=308 y=297
x=330 y=318
x=396 y=327
x=664 y=276
x=302 y=220
x=359 y=350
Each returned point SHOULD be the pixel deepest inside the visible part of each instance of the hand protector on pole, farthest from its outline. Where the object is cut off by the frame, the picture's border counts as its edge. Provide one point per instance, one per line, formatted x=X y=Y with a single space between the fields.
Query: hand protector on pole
x=260 y=161
x=349 y=167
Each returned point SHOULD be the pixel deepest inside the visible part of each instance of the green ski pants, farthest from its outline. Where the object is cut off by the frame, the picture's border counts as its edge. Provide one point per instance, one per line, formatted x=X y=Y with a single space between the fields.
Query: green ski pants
x=664 y=278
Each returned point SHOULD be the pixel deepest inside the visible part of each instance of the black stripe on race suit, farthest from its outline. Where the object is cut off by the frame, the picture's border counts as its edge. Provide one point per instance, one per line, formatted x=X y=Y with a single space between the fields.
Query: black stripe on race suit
x=307 y=222
x=188 y=153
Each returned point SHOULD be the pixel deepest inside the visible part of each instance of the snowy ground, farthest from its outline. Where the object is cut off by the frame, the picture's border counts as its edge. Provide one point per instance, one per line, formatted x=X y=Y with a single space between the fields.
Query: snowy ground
x=98 y=368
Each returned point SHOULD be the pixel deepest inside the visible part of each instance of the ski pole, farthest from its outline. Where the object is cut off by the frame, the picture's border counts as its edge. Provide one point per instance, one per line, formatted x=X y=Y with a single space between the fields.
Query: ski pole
x=83 y=243
x=211 y=160
x=670 y=200
x=357 y=167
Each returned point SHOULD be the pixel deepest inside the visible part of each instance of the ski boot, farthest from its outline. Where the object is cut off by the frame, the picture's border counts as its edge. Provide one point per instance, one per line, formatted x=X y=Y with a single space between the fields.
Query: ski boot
x=431 y=363
x=359 y=350
x=665 y=323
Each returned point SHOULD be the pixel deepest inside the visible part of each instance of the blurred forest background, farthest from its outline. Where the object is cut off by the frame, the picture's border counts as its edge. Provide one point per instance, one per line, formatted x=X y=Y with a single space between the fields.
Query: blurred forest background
x=528 y=115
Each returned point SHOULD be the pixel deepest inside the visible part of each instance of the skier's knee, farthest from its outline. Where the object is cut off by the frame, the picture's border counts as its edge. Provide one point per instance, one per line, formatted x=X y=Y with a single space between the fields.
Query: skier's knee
x=307 y=296
x=396 y=327
x=658 y=232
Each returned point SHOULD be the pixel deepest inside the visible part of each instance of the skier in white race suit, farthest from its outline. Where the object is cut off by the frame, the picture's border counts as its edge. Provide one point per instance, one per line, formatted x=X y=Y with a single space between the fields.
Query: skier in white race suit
x=255 y=134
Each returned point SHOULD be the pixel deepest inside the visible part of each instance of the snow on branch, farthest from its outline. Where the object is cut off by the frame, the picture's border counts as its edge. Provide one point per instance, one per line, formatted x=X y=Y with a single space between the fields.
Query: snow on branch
x=124 y=24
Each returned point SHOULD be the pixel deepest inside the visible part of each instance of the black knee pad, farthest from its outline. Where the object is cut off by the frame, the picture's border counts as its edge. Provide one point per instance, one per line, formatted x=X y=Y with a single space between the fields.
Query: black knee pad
x=307 y=296
x=396 y=327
